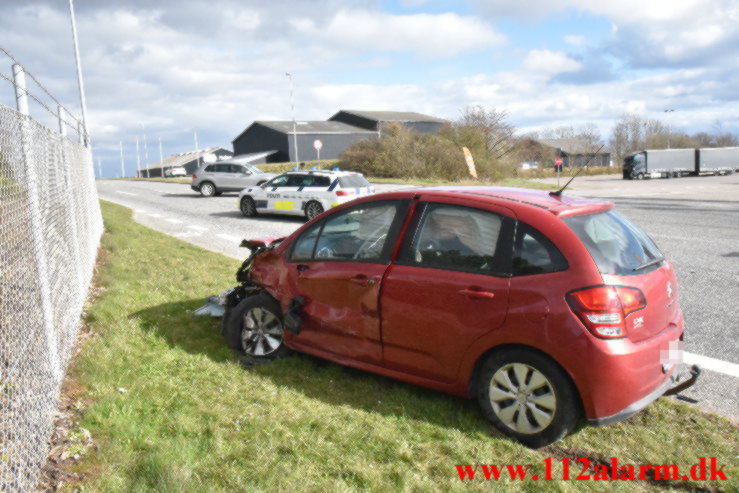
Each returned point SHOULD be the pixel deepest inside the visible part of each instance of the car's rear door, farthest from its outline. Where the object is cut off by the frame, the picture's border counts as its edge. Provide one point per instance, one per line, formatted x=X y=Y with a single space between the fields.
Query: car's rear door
x=337 y=266
x=448 y=287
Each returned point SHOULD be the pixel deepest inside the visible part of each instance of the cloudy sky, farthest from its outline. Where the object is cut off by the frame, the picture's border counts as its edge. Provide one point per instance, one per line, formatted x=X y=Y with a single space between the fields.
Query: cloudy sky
x=167 y=68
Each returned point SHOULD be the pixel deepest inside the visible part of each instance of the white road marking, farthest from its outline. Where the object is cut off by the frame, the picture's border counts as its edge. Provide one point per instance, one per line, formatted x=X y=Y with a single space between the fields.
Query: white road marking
x=228 y=237
x=187 y=234
x=713 y=364
x=125 y=193
x=173 y=221
x=197 y=228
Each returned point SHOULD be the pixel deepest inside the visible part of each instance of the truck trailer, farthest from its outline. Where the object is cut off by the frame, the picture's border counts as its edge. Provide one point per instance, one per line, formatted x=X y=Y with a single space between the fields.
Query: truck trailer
x=670 y=163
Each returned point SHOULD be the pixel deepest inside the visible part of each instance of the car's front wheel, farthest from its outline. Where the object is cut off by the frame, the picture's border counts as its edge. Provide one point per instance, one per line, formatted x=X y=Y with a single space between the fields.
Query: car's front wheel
x=248 y=208
x=255 y=328
x=527 y=396
x=207 y=189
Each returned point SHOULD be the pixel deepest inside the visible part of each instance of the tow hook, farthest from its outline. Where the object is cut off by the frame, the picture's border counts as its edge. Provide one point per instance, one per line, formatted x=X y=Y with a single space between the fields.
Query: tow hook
x=693 y=372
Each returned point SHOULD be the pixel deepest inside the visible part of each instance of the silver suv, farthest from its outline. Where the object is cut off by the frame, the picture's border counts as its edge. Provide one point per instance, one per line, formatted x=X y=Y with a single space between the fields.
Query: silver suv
x=214 y=179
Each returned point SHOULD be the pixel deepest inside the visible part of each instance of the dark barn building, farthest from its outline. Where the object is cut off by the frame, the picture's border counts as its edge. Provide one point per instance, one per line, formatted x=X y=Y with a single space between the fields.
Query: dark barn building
x=373 y=120
x=278 y=136
x=273 y=141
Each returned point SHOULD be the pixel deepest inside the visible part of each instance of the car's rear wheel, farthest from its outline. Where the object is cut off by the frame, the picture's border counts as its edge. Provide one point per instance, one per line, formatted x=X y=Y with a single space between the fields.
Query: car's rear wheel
x=207 y=189
x=255 y=328
x=313 y=209
x=248 y=208
x=640 y=176
x=527 y=396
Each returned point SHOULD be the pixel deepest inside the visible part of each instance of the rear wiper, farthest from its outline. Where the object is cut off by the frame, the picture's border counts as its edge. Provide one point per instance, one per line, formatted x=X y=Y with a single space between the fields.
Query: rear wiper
x=648 y=264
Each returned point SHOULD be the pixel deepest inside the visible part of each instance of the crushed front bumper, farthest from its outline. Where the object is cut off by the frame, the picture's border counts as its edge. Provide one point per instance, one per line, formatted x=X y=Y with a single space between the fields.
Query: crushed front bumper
x=683 y=377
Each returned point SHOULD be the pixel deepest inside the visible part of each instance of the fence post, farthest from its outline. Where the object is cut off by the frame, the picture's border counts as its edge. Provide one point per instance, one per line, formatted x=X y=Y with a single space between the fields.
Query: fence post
x=39 y=251
x=73 y=211
x=60 y=115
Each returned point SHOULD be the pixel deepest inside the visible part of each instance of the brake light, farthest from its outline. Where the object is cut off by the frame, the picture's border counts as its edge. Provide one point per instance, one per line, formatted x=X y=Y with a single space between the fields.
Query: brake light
x=194 y=176
x=344 y=192
x=603 y=309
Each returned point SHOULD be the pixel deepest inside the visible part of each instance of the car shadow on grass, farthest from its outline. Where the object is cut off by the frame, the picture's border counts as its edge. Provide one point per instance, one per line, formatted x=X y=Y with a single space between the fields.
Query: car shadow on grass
x=316 y=378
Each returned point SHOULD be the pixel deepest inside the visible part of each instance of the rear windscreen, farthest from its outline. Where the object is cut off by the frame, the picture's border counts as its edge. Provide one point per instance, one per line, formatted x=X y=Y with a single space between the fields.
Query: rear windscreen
x=353 y=181
x=617 y=245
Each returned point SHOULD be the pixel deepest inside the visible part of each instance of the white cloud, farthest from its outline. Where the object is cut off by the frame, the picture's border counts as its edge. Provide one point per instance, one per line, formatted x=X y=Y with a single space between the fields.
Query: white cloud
x=549 y=62
x=575 y=39
x=429 y=35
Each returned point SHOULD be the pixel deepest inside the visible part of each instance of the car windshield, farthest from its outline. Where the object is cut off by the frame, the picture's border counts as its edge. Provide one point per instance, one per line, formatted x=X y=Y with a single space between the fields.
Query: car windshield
x=254 y=169
x=617 y=245
x=353 y=181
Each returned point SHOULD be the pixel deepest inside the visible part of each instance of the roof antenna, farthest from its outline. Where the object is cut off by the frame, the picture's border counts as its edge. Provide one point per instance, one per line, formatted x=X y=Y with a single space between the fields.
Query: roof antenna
x=558 y=193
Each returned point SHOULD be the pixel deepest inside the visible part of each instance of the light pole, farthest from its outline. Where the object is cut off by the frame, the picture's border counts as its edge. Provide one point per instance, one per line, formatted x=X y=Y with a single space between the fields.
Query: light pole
x=85 y=133
x=292 y=109
x=123 y=168
x=669 y=131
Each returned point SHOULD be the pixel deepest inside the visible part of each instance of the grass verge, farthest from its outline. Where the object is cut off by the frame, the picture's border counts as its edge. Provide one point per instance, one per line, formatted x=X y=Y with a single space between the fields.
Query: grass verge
x=170 y=409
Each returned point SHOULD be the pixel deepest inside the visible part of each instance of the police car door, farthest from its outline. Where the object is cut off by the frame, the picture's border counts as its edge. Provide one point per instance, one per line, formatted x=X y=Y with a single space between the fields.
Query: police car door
x=282 y=195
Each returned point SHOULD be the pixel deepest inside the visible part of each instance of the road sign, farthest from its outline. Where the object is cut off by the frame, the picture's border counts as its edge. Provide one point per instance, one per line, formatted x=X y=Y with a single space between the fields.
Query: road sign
x=317 y=145
x=558 y=161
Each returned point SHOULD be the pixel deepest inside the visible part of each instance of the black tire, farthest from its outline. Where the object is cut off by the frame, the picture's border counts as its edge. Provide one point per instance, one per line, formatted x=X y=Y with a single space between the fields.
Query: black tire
x=248 y=207
x=207 y=189
x=255 y=328
x=313 y=209
x=640 y=176
x=541 y=410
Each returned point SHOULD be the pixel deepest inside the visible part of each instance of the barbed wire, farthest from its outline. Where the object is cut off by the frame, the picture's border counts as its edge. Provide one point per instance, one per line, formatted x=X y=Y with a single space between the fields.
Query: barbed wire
x=46 y=91
x=43 y=105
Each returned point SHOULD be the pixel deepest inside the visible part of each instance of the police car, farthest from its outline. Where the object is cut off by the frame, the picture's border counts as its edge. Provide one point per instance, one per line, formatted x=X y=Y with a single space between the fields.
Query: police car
x=307 y=193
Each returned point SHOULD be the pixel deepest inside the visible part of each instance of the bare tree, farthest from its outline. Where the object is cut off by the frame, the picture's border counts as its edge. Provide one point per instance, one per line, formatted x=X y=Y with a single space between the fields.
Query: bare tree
x=492 y=124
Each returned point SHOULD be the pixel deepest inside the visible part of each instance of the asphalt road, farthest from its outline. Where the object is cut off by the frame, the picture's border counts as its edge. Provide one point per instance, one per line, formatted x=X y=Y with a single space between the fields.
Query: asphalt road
x=694 y=220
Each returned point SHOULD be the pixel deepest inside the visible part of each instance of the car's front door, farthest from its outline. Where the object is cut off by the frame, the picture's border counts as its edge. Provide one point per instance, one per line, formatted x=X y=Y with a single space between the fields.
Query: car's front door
x=337 y=266
x=449 y=287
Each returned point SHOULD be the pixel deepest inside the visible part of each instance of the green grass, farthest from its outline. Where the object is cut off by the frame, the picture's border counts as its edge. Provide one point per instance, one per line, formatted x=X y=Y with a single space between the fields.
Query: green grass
x=192 y=419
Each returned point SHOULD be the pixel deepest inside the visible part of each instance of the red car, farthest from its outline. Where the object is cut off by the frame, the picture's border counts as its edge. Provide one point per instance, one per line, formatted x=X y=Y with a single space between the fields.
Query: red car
x=543 y=307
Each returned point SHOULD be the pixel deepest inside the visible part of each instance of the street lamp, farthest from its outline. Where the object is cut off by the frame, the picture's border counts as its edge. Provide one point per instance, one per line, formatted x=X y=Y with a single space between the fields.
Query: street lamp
x=669 y=131
x=292 y=109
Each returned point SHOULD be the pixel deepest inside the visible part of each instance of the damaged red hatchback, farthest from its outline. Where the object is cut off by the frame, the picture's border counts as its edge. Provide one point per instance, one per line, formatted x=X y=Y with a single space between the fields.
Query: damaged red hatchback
x=542 y=307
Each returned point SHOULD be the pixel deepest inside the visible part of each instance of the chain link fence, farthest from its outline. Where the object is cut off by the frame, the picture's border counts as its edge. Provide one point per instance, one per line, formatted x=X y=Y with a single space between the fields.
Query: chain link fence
x=50 y=227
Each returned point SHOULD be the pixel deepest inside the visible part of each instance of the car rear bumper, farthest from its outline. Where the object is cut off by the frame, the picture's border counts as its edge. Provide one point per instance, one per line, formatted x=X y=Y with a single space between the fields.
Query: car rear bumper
x=677 y=382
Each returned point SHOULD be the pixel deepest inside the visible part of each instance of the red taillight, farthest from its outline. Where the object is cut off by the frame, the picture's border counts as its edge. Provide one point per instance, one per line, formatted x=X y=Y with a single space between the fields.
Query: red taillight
x=194 y=176
x=344 y=192
x=603 y=309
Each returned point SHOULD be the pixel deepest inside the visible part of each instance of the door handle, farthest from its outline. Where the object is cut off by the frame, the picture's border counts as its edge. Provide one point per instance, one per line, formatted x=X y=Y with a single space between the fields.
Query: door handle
x=301 y=268
x=476 y=293
x=362 y=280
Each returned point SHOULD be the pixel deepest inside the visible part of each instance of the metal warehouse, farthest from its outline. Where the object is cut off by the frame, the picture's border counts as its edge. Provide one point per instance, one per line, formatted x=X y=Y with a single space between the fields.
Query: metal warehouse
x=275 y=141
x=188 y=160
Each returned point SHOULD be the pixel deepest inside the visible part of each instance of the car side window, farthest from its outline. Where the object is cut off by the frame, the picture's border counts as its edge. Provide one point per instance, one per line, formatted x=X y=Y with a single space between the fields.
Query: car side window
x=364 y=233
x=458 y=238
x=534 y=253
x=235 y=168
x=279 y=181
x=210 y=169
x=294 y=180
